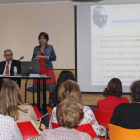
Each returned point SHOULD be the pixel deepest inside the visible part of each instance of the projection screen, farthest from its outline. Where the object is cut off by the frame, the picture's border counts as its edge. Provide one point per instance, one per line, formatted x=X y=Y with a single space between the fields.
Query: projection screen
x=108 y=45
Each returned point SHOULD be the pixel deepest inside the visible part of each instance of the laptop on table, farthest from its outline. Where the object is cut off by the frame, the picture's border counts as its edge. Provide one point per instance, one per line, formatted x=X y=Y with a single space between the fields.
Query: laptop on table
x=30 y=67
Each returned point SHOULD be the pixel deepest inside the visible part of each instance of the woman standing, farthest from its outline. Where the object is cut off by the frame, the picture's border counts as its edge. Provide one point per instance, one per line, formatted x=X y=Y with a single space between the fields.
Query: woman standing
x=45 y=54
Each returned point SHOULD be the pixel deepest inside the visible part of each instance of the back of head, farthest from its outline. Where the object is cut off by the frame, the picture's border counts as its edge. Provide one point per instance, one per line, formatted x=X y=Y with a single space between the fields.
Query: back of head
x=64 y=76
x=135 y=91
x=70 y=113
x=114 y=88
x=69 y=89
x=10 y=98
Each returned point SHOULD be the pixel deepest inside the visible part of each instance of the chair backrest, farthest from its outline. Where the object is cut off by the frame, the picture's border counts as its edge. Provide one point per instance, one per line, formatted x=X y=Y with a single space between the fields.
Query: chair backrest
x=38 y=114
x=120 y=133
x=27 y=130
x=103 y=117
x=55 y=125
x=49 y=111
x=86 y=128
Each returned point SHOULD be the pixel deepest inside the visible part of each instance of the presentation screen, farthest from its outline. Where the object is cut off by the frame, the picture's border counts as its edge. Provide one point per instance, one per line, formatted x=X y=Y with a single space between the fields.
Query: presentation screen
x=108 y=45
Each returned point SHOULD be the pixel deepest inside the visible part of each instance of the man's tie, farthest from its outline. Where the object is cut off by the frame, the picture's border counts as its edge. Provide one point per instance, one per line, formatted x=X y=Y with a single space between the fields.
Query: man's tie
x=7 y=69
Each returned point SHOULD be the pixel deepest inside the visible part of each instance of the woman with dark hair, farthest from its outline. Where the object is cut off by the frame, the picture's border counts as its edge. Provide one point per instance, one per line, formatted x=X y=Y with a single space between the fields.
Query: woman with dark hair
x=113 y=93
x=69 y=115
x=64 y=76
x=45 y=54
x=128 y=115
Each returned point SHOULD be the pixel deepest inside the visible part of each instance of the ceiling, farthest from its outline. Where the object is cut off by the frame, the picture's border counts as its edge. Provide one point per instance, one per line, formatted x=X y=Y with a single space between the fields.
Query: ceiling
x=36 y=1
x=83 y=1
x=27 y=1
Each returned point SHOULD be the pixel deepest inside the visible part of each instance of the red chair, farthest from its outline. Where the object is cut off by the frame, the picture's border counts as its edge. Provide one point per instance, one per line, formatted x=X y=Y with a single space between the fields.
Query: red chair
x=27 y=130
x=38 y=114
x=55 y=125
x=49 y=111
x=86 y=128
x=103 y=118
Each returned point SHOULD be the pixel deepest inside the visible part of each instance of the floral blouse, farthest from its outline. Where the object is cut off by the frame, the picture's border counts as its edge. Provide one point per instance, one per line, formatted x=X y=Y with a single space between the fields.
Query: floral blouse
x=88 y=118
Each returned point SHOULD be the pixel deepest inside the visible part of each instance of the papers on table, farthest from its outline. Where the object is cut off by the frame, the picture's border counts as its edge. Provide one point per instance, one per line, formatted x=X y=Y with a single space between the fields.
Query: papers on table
x=34 y=75
x=20 y=75
x=37 y=75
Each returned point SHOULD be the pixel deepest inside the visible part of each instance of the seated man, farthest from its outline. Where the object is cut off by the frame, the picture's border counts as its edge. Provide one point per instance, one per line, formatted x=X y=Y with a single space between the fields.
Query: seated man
x=128 y=115
x=7 y=67
x=9 y=129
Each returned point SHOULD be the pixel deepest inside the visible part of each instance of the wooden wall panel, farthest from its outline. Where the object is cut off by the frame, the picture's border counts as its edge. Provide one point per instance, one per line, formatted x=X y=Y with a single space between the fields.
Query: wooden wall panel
x=30 y=83
x=92 y=99
x=88 y=99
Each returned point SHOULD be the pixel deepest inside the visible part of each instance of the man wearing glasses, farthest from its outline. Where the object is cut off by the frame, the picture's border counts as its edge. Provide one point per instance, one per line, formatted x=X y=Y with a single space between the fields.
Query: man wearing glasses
x=100 y=20
x=7 y=67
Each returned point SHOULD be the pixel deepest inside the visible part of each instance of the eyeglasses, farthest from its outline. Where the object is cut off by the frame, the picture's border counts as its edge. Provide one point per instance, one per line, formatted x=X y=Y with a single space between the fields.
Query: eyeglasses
x=9 y=55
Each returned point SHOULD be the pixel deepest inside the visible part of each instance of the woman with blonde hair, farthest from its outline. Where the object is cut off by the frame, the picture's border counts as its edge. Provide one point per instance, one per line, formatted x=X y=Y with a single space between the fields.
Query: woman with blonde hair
x=11 y=105
x=72 y=89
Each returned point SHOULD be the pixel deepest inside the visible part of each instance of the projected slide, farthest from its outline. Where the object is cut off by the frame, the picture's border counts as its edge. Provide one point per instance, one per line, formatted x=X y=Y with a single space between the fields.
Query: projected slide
x=115 y=43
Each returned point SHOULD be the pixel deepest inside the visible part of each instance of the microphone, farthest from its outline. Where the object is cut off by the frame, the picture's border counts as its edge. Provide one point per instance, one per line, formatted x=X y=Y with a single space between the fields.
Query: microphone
x=21 y=58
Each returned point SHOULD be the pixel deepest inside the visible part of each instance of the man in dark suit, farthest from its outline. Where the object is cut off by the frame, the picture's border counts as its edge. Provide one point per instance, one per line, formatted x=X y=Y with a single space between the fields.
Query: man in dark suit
x=7 y=67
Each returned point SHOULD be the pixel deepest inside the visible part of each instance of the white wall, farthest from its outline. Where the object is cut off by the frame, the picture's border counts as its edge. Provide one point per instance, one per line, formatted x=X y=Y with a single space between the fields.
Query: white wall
x=20 y=27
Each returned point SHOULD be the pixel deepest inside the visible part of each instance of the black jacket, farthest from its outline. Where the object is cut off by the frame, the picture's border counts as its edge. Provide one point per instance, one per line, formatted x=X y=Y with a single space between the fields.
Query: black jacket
x=15 y=63
x=127 y=115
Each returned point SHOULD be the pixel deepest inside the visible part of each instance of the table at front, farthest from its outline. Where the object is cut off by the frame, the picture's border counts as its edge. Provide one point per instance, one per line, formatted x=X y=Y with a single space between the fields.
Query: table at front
x=38 y=88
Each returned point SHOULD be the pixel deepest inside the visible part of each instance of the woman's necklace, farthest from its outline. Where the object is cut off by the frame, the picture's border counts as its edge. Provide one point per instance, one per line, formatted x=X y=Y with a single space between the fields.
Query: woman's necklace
x=42 y=49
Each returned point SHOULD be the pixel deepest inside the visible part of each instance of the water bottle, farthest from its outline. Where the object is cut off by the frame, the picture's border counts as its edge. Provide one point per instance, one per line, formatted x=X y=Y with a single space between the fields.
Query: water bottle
x=15 y=71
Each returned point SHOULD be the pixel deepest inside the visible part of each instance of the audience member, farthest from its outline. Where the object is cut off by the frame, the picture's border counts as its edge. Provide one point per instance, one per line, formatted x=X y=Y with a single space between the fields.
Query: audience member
x=69 y=115
x=10 y=104
x=9 y=129
x=72 y=89
x=64 y=76
x=113 y=93
x=128 y=115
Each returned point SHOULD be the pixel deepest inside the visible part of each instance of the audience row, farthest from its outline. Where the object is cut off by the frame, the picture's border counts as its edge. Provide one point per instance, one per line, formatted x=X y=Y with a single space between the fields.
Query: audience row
x=68 y=109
